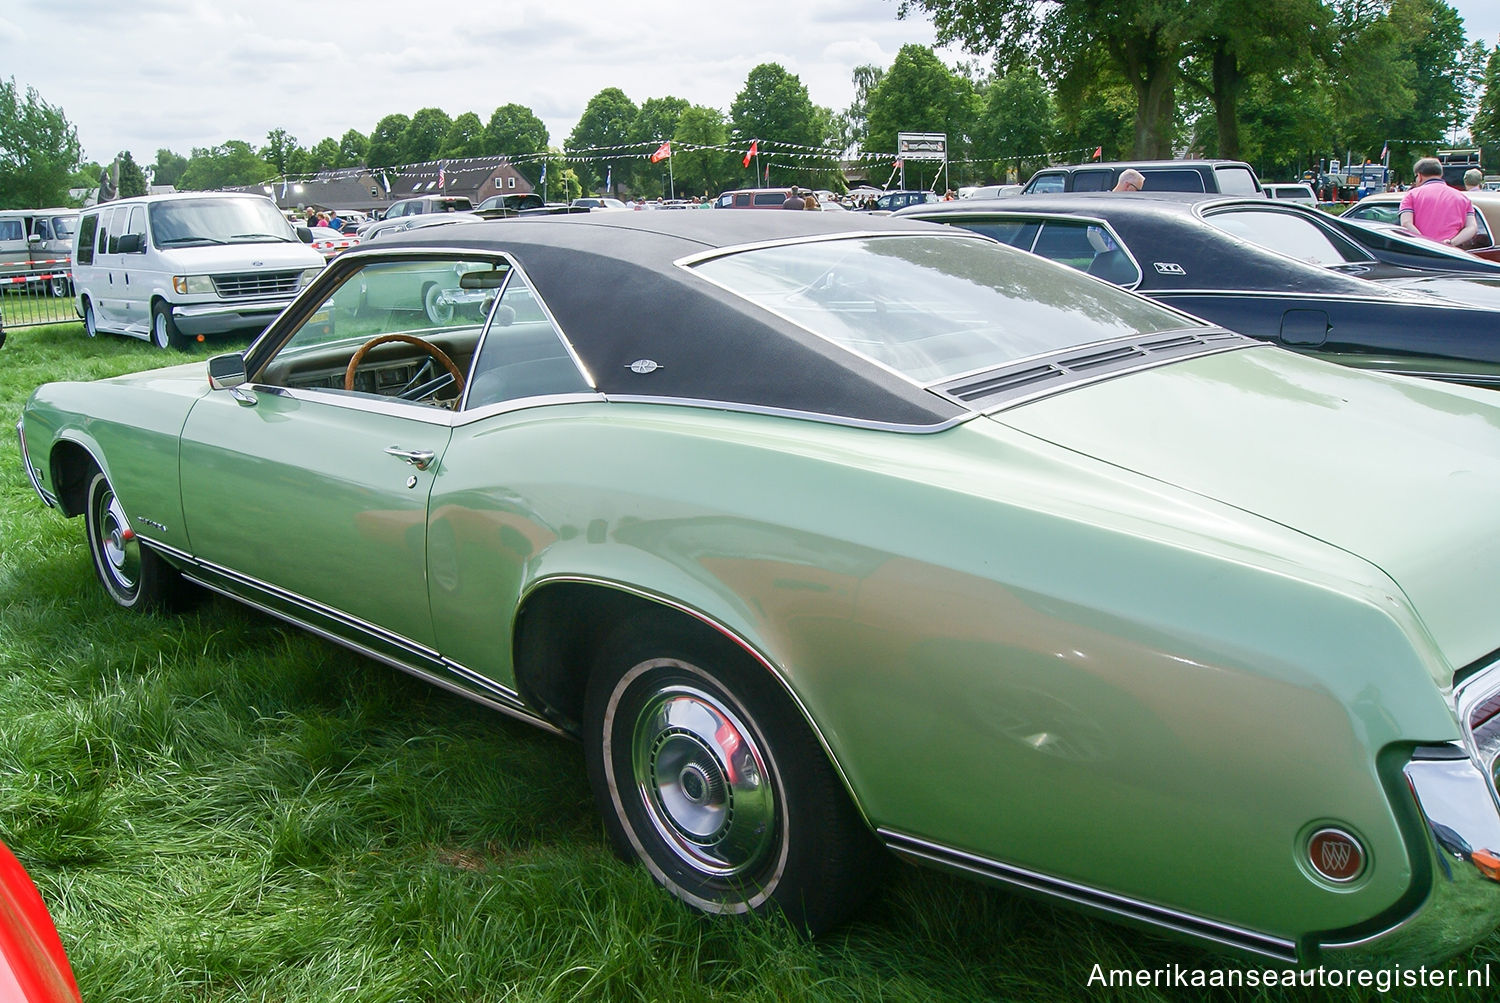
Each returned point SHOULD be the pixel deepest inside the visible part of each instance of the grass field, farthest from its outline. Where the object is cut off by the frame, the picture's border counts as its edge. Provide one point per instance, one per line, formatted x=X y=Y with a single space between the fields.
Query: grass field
x=218 y=807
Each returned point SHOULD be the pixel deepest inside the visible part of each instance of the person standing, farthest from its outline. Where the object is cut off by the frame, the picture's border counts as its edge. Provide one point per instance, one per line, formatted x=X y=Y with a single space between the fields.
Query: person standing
x=793 y=201
x=1436 y=211
x=1473 y=178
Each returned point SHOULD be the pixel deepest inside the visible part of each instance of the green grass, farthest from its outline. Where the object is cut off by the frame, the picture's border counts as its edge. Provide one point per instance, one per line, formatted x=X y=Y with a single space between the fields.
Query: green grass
x=217 y=807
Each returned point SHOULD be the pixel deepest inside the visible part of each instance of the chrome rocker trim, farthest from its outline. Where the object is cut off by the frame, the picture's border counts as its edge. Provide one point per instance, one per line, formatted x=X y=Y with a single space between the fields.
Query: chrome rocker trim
x=1115 y=906
x=355 y=634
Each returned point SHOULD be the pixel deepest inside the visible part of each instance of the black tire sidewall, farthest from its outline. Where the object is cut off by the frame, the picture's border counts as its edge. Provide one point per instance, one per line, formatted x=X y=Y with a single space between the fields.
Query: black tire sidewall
x=134 y=599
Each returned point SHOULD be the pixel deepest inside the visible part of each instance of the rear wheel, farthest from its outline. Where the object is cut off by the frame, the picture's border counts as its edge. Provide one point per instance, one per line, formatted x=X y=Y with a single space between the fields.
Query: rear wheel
x=90 y=325
x=164 y=332
x=705 y=771
x=58 y=285
x=135 y=576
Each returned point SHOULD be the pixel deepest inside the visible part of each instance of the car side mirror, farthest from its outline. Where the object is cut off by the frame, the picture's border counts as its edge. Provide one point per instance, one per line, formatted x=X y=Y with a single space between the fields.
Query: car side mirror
x=304 y=234
x=131 y=243
x=225 y=372
x=35 y=238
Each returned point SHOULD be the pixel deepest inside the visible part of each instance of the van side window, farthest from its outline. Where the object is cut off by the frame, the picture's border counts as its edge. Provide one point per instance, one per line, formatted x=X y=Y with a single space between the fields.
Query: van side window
x=86 y=227
x=11 y=229
x=109 y=234
x=137 y=223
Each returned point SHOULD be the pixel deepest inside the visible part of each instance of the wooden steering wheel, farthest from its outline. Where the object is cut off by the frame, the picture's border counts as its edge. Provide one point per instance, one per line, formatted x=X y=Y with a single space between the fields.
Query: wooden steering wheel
x=426 y=346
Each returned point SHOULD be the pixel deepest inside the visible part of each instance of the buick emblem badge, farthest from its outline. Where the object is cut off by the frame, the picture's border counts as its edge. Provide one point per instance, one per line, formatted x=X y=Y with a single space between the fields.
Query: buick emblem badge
x=1335 y=855
x=644 y=366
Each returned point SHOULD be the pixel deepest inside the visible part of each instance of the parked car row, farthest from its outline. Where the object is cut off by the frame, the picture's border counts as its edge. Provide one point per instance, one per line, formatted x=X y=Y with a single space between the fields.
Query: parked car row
x=34 y=248
x=1270 y=269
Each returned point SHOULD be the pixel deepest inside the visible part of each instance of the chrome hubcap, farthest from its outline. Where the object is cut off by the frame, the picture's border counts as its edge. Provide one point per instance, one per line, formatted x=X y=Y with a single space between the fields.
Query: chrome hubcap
x=704 y=783
x=122 y=557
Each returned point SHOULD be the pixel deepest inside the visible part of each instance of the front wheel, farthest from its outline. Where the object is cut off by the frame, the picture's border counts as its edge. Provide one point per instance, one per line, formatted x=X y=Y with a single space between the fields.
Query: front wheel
x=164 y=332
x=135 y=576
x=59 y=286
x=705 y=771
x=90 y=325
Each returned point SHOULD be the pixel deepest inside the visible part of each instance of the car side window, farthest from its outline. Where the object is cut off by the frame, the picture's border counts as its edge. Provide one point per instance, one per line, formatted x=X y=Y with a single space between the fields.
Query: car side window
x=1174 y=181
x=1091 y=181
x=1017 y=233
x=1047 y=184
x=1381 y=213
x=1285 y=233
x=86 y=227
x=417 y=304
x=523 y=354
x=1089 y=247
x=1234 y=180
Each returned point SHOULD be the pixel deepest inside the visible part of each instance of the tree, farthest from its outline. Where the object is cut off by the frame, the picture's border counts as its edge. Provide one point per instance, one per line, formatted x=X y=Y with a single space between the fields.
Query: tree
x=774 y=107
x=423 y=137
x=323 y=157
x=853 y=123
x=514 y=131
x=384 y=149
x=920 y=94
x=132 y=178
x=232 y=163
x=705 y=171
x=38 y=150
x=1486 y=125
x=1144 y=40
x=352 y=149
x=1017 y=126
x=604 y=126
x=655 y=121
x=1234 y=40
x=279 y=151
x=169 y=167
x=465 y=137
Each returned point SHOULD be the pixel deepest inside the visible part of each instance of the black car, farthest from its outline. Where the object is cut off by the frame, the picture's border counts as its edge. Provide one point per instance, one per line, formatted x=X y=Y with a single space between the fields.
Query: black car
x=1226 y=177
x=1270 y=270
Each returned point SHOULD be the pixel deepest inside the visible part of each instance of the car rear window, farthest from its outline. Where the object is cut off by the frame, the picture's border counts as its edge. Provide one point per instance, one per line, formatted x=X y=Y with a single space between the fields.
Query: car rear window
x=933 y=307
x=1236 y=180
x=1173 y=180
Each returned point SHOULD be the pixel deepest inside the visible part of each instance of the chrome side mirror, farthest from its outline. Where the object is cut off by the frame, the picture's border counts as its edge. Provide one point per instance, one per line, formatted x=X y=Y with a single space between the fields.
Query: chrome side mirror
x=227 y=372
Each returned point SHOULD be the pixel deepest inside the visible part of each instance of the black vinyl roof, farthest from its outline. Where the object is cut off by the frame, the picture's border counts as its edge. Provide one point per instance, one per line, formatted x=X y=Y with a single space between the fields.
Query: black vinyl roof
x=610 y=281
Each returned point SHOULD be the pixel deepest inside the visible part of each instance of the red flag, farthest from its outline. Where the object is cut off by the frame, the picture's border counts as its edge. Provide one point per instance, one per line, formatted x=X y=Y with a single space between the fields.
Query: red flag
x=898 y=163
x=1098 y=152
x=754 y=149
x=662 y=152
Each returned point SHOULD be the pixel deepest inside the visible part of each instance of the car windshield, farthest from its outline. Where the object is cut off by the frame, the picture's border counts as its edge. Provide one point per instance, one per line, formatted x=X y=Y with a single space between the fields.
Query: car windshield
x=185 y=222
x=932 y=307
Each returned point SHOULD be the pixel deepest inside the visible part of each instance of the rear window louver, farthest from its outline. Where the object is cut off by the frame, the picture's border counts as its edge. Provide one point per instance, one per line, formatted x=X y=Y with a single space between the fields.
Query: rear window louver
x=1034 y=377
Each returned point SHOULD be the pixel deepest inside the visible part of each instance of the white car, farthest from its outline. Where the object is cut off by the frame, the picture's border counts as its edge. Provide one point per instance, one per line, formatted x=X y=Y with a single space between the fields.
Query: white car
x=1298 y=192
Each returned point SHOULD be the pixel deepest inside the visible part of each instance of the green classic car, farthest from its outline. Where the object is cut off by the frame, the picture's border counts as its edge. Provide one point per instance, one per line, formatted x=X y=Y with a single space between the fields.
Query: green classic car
x=830 y=536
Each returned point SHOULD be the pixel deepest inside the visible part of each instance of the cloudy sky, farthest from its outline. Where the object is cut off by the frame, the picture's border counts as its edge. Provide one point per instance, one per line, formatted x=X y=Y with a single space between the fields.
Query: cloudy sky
x=138 y=75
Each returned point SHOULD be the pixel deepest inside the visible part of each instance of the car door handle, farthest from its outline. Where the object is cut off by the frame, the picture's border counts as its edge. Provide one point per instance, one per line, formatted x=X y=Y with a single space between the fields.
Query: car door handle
x=419 y=458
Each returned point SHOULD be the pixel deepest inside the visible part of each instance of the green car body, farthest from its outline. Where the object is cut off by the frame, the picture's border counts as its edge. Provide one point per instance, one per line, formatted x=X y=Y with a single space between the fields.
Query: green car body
x=1131 y=643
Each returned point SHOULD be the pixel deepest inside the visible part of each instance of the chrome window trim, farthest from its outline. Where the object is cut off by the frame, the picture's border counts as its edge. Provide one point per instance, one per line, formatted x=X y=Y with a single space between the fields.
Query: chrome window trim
x=771 y=412
x=688 y=261
x=1200 y=928
x=1041 y=219
x=393 y=407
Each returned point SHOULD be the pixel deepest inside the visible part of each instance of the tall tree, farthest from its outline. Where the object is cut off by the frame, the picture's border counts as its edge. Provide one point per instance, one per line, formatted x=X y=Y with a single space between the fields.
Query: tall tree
x=852 y=125
x=920 y=94
x=231 y=163
x=280 y=150
x=1145 y=41
x=169 y=167
x=774 y=107
x=423 y=137
x=465 y=137
x=655 y=121
x=38 y=149
x=1018 y=125
x=353 y=147
x=514 y=131
x=322 y=157
x=384 y=149
x=604 y=125
x=1486 y=125
x=132 y=178
x=703 y=172
x=1233 y=40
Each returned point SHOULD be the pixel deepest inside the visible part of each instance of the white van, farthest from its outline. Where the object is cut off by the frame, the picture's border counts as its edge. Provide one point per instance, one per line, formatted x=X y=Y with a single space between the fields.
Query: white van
x=180 y=267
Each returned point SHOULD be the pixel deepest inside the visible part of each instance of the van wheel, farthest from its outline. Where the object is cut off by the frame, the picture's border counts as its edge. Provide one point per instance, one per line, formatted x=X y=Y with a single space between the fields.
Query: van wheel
x=164 y=333
x=58 y=285
x=90 y=326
